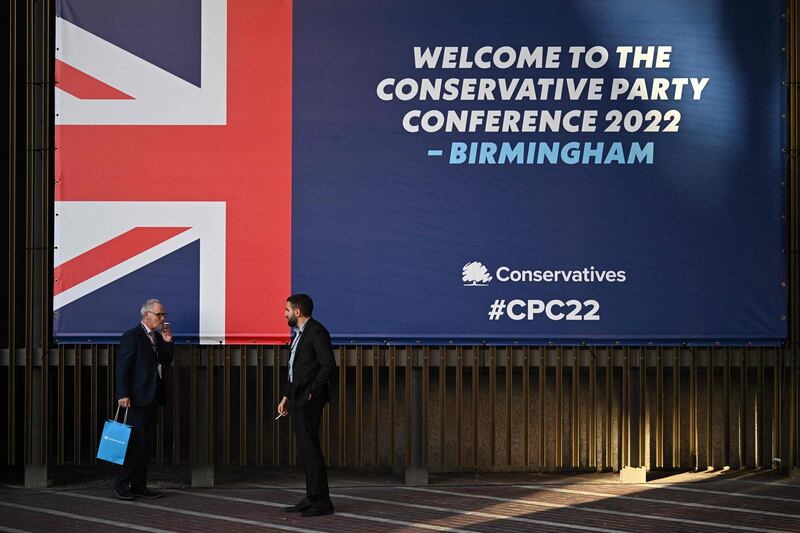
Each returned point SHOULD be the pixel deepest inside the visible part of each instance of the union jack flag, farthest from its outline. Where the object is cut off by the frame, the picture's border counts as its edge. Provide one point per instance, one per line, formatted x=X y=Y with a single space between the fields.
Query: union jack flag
x=173 y=167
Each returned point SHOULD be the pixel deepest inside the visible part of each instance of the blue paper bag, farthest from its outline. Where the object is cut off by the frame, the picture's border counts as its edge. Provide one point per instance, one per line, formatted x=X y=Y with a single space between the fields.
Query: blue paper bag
x=114 y=440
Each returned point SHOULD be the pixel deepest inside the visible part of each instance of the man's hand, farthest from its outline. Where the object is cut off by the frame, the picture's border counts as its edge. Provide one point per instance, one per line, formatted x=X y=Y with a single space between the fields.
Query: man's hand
x=166 y=332
x=282 y=410
x=124 y=402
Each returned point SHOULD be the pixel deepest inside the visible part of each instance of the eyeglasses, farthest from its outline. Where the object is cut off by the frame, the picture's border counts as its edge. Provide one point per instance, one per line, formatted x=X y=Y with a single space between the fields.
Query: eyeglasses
x=159 y=315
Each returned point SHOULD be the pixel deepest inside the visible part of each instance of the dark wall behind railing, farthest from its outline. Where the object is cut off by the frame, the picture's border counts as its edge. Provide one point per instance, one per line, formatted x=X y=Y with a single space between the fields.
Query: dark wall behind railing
x=484 y=408
x=537 y=408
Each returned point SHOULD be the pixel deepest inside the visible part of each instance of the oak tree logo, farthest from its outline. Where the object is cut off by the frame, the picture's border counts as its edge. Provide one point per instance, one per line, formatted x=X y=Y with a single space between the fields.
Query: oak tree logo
x=474 y=274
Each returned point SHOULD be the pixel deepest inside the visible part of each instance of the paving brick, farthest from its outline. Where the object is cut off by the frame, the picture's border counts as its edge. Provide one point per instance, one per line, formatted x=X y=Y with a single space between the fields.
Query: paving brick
x=466 y=502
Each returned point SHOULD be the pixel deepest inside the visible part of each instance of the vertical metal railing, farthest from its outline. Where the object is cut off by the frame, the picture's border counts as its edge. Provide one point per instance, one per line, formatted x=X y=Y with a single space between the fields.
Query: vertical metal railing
x=29 y=226
x=27 y=199
x=515 y=419
x=14 y=104
x=676 y=409
x=559 y=422
x=526 y=402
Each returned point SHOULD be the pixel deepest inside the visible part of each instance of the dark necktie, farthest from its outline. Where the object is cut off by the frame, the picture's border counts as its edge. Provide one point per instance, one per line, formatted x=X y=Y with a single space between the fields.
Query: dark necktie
x=152 y=336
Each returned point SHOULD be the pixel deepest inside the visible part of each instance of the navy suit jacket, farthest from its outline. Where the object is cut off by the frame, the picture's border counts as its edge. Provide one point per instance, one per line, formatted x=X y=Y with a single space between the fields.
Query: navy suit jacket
x=314 y=364
x=137 y=367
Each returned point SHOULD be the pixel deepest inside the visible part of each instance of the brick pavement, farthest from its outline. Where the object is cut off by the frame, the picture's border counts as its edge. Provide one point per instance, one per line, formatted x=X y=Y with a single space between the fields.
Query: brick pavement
x=755 y=502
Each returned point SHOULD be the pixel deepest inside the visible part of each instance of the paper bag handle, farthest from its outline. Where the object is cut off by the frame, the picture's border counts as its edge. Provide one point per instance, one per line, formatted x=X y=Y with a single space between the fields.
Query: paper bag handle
x=116 y=415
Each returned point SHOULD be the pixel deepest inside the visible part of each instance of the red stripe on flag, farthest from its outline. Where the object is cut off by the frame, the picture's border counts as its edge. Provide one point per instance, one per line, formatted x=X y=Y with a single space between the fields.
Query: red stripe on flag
x=81 y=85
x=110 y=253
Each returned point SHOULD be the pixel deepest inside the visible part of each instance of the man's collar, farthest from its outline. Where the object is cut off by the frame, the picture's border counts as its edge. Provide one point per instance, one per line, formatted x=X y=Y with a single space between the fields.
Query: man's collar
x=299 y=329
x=146 y=329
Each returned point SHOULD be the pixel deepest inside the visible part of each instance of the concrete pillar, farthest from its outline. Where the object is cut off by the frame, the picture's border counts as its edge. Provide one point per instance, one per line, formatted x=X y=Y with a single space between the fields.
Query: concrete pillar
x=202 y=475
x=635 y=471
x=36 y=465
x=416 y=473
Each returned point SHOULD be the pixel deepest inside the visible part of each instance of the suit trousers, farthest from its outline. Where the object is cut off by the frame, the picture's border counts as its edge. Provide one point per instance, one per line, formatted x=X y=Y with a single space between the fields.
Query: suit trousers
x=306 y=418
x=133 y=472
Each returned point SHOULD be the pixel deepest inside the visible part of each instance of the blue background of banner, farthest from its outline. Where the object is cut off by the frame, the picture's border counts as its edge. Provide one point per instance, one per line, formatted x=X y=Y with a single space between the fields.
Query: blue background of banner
x=381 y=231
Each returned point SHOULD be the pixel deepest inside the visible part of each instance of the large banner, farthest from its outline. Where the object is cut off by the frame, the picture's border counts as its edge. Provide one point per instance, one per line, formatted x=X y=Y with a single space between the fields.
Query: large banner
x=433 y=172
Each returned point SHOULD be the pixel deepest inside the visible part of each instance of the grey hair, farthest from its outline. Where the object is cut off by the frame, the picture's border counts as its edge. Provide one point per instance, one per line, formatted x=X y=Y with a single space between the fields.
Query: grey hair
x=148 y=305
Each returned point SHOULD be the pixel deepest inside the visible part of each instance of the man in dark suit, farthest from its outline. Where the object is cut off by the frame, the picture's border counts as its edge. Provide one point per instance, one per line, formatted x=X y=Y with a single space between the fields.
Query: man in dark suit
x=311 y=366
x=143 y=351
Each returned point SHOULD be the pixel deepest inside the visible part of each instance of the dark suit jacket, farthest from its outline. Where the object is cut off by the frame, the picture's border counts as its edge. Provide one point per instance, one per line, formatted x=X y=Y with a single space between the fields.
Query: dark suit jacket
x=314 y=364
x=137 y=367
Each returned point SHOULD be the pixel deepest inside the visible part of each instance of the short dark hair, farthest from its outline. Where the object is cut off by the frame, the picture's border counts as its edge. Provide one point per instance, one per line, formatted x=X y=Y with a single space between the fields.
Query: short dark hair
x=302 y=302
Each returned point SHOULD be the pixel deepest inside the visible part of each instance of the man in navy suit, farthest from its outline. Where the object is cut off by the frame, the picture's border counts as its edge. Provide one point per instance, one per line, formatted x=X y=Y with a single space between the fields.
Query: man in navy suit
x=311 y=366
x=143 y=351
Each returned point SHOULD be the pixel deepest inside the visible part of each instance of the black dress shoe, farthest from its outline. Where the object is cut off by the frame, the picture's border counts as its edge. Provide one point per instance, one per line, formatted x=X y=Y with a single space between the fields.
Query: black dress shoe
x=318 y=510
x=123 y=494
x=146 y=493
x=300 y=506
